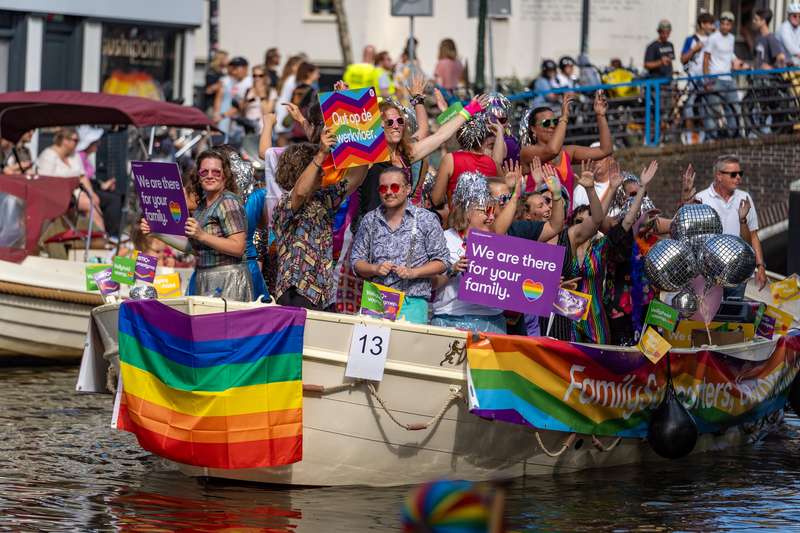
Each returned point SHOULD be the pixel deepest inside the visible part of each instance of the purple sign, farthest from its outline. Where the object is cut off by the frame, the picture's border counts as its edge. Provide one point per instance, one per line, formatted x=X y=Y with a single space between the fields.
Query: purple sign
x=511 y=273
x=146 y=268
x=105 y=283
x=161 y=196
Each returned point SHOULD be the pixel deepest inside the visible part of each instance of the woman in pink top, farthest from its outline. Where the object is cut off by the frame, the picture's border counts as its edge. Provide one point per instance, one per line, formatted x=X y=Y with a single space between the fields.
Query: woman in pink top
x=449 y=70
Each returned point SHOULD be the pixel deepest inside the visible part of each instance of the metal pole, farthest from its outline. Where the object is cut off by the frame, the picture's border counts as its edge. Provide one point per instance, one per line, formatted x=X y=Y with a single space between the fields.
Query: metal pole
x=411 y=49
x=491 y=55
x=152 y=139
x=647 y=94
x=585 y=27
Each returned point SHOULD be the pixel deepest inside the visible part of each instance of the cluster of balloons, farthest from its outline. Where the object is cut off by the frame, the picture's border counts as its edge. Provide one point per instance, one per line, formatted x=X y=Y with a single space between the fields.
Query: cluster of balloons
x=698 y=262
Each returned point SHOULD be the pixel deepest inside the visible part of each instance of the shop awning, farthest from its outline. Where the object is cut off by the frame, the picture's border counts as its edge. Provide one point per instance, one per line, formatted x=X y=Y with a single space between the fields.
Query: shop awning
x=23 y=110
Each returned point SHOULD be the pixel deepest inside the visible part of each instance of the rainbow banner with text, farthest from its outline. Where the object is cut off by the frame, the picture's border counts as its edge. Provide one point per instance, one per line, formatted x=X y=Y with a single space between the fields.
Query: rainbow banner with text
x=221 y=390
x=560 y=386
x=355 y=119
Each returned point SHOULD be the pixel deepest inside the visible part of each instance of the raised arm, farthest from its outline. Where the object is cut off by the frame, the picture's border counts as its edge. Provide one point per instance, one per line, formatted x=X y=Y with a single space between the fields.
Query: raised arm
x=417 y=92
x=439 y=192
x=548 y=151
x=506 y=217
x=429 y=144
x=633 y=213
x=585 y=230
x=556 y=223
x=265 y=140
x=310 y=179
x=606 y=148
x=500 y=149
x=355 y=177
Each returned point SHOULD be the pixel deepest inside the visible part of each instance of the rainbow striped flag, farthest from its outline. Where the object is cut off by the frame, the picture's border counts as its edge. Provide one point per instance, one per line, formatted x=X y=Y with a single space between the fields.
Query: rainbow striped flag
x=550 y=384
x=221 y=390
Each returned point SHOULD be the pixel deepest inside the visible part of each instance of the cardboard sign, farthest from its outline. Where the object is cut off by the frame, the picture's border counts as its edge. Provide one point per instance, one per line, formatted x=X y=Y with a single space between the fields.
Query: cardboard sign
x=572 y=304
x=168 y=285
x=105 y=283
x=786 y=290
x=381 y=301
x=145 y=268
x=355 y=119
x=368 y=349
x=661 y=315
x=682 y=336
x=122 y=269
x=91 y=270
x=511 y=273
x=783 y=320
x=653 y=345
x=161 y=196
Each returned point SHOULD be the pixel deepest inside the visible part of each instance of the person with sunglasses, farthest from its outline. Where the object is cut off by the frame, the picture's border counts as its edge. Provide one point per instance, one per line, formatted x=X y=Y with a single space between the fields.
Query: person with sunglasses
x=483 y=150
x=472 y=208
x=737 y=211
x=216 y=232
x=303 y=224
x=542 y=135
x=400 y=245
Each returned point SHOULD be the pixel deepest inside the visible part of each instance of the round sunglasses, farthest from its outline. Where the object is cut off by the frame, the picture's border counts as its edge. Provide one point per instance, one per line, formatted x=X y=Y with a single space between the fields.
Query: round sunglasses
x=394 y=187
x=390 y=122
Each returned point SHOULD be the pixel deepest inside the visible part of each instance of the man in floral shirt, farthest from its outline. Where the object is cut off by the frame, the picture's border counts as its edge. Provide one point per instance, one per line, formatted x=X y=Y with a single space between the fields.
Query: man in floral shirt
x=401 y=246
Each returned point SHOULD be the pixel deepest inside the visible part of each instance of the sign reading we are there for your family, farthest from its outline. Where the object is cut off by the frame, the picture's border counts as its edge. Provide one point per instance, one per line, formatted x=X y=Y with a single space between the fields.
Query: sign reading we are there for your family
x=511 y=273
x=161 y=196
x=355 y=119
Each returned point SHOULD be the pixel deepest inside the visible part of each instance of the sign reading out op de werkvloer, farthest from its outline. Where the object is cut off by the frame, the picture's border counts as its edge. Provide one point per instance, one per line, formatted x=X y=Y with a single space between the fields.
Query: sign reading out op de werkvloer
x=355 y=119
x=511 y=273
x=161 y=196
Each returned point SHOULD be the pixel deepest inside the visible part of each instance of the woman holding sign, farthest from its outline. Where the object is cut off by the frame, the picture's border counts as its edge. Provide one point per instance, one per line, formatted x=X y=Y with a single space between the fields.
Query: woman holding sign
x=216 y=232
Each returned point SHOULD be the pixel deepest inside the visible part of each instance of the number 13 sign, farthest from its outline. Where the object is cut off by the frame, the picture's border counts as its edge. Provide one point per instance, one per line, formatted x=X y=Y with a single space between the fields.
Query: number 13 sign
x=368 y=349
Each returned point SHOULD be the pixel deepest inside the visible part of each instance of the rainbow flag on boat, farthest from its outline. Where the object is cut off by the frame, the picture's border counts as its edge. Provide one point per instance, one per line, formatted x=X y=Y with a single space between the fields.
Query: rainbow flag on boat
x=605 y=390
x=220 y=390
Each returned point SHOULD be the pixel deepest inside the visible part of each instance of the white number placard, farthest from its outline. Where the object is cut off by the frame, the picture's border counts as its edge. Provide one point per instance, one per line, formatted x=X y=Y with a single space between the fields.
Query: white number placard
x=368 y=349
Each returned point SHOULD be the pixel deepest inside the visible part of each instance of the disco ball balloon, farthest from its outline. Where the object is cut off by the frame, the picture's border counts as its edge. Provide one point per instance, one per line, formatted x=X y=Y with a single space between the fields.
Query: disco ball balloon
x=685 y=302
x=695 y=219
x=143 y=292
x=727 y=260
x=698 y=243
x=243 y=174
x=670 y=265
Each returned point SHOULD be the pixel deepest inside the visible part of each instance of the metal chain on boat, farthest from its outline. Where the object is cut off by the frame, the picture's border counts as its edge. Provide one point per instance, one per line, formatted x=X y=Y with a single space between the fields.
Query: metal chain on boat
x=455 y=394
x=599 y=445
x=564 y=447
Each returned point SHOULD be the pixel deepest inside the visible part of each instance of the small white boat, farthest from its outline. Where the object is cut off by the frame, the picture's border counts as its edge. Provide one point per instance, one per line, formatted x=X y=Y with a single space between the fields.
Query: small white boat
x=415 y=424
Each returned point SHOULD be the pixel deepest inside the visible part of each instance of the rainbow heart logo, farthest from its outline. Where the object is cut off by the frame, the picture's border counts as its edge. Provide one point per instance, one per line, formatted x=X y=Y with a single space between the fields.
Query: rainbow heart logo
x=532 y=290
x=175 y=211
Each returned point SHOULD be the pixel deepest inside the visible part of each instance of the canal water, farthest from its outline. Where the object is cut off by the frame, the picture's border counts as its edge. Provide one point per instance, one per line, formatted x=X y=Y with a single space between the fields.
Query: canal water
x=62 y=468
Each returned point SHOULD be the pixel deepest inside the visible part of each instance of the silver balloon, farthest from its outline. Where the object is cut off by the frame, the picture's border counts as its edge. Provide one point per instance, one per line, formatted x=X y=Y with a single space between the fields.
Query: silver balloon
x=695 y=219
x=143 y=292
x=727 y=260
x=698 y=243
x=670 y=265
x=685 y=302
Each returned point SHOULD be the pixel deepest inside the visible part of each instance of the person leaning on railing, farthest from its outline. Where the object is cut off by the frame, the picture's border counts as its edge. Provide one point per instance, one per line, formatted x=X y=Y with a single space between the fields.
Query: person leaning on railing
x=789 y=33
x=719 y=59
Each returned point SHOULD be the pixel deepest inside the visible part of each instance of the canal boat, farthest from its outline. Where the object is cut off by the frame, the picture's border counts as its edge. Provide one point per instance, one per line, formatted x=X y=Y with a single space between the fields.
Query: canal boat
x=44 y=303
x=581 y=407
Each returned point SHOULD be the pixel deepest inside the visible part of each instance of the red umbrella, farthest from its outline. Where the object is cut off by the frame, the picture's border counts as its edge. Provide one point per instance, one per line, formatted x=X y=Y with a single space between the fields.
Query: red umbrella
x=22 y=111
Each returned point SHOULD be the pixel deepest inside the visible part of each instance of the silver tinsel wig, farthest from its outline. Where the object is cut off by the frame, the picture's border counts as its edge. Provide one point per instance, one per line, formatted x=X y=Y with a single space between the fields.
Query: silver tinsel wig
x=472 y=134
x=472 y=190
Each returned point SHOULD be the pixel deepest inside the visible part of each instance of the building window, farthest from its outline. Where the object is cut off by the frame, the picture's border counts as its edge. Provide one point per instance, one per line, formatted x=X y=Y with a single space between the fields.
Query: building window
x=319 y=11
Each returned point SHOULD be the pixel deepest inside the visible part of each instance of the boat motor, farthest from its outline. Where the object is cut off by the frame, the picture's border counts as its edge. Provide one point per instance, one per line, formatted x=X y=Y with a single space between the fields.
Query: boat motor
x=672 y=432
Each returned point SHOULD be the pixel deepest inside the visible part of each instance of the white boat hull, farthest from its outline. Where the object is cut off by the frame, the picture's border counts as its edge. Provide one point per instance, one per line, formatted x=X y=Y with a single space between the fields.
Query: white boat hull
x=350 y=438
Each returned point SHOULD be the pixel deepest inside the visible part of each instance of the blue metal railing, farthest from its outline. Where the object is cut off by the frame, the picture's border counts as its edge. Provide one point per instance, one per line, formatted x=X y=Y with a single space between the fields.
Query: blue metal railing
x=653 y=90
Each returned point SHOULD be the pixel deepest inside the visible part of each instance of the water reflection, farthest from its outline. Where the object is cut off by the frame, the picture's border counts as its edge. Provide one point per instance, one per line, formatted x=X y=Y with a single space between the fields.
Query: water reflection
x=63 y=468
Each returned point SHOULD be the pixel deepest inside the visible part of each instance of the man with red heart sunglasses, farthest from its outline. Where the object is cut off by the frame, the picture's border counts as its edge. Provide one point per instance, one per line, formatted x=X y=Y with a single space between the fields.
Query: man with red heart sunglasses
x=401 y=246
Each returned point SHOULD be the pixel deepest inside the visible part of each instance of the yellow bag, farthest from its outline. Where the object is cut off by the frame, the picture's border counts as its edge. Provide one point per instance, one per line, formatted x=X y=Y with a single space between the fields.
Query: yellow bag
x=620 y=75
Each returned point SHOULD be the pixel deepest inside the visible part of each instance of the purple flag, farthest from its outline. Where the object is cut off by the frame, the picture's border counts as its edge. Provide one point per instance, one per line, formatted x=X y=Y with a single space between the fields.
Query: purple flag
x=511 y=273
x=161 y=196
